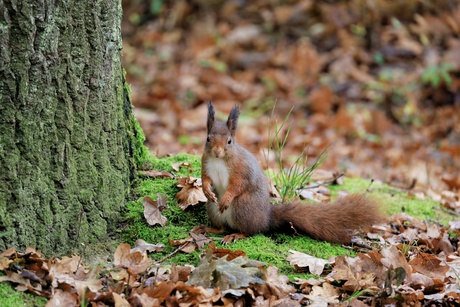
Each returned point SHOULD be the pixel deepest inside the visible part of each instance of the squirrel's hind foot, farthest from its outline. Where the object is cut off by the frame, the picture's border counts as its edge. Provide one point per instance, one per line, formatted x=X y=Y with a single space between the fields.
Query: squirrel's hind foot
x=233 y=237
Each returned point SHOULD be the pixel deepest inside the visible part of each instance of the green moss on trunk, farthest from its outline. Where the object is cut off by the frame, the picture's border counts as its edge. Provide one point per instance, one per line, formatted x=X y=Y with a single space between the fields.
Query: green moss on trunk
x=65 y=141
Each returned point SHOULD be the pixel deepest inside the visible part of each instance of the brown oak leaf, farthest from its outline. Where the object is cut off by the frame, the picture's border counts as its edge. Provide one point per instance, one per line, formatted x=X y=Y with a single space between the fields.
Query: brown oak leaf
x=315 y=265
x=152 y=210
x=191 y=192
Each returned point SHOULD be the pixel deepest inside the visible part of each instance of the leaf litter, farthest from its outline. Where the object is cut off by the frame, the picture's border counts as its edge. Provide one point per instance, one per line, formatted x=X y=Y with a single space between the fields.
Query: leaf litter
x=418 y=268
x=412 y=261
x=376 y=81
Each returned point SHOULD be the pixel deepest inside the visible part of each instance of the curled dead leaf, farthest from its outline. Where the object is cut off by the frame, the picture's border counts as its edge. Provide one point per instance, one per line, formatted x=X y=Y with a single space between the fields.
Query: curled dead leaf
x=225 y=252
x=450 y=200
x=177 y=166
x=191 y=192
x=135 y=262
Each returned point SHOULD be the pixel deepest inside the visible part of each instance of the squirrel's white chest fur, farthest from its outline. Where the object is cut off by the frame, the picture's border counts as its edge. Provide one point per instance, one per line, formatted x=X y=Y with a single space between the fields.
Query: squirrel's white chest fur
x=217 y=170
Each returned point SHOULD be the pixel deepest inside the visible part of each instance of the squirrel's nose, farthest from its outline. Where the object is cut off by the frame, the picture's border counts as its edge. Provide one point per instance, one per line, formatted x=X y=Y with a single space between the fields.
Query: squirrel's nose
x=218 y=152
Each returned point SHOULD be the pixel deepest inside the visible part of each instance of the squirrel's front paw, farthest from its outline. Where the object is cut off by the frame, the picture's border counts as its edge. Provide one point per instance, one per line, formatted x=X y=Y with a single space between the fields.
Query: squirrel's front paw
x=224 y=204
x=223 y=207
x=210 y=195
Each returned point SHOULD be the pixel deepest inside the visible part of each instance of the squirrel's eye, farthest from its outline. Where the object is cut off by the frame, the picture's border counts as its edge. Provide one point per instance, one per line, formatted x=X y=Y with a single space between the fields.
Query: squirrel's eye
x=229 y=141
x=208 y=139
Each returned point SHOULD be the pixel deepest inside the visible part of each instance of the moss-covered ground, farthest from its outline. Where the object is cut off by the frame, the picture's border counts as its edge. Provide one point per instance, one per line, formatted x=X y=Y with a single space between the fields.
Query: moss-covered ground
x=271 y=248
x=12 y=298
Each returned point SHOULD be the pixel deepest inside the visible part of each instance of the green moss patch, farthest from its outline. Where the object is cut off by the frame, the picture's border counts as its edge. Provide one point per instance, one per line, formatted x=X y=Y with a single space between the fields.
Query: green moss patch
x=396 y=200
x=271 y=248
x=12 y=298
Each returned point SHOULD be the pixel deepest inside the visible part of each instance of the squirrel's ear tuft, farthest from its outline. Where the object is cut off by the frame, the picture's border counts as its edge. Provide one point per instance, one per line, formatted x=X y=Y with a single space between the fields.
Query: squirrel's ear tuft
x=232 y=121
x=211 y=113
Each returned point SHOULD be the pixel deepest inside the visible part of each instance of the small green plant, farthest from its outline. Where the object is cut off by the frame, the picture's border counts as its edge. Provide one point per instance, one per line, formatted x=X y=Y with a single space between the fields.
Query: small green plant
x=435 y=75
x=288 y=180
x=357 y=294
x=156 y=6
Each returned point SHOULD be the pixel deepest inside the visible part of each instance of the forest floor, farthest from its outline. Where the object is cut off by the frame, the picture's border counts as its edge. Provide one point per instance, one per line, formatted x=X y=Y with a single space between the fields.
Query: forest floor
x=378 y=86
x=374 y=83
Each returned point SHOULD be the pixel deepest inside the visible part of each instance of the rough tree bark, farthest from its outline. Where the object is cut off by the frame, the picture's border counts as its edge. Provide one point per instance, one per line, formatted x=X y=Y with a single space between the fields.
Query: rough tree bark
x=65 y=123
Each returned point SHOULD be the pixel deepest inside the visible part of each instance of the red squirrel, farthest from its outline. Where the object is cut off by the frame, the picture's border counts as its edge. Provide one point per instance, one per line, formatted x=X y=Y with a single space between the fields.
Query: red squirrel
x=239 y=199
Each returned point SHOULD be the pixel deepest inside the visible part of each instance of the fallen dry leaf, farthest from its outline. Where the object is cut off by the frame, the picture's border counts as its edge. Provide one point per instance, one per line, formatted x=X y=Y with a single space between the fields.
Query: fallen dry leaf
x=324 y=295
x=393 y=257
x=429 y=265
x=62 y=298
x=225 y=252
x=302 y=260
x=354 y=274
x=275 y=284
x=135 y=261
x=157 y=174
x=450 y=200
x=317 y=193
x=120 y=300
x=5 y=263
x=200 y=239
x=152 y=210
x=186 y=245
x=238 y=273
x=142 y=246
x=191 y=192
x=177 y=166
x=180 y=273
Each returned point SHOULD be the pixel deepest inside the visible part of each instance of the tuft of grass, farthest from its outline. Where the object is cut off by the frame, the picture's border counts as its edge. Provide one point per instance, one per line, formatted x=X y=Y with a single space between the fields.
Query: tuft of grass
x=289 y=180
x=436 y=75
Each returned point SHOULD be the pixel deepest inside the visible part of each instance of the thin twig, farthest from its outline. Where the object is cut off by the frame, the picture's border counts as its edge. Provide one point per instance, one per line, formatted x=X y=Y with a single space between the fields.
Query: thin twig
x=369 y=186
x=174 y=252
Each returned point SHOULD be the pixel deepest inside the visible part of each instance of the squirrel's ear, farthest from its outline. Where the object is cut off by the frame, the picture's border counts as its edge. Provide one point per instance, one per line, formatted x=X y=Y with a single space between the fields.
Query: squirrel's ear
x=210 y=122
x=232 y=121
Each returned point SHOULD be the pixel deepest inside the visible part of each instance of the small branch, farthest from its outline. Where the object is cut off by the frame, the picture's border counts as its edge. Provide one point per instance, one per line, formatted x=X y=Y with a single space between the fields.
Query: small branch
x=173 y=253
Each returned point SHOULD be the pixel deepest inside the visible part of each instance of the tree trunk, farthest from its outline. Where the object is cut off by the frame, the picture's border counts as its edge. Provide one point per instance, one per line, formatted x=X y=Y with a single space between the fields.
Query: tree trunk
x=65 y=123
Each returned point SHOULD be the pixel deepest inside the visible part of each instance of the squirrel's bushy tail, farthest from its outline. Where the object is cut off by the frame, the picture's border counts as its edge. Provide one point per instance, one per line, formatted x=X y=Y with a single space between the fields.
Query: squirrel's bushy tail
x=333 y=222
